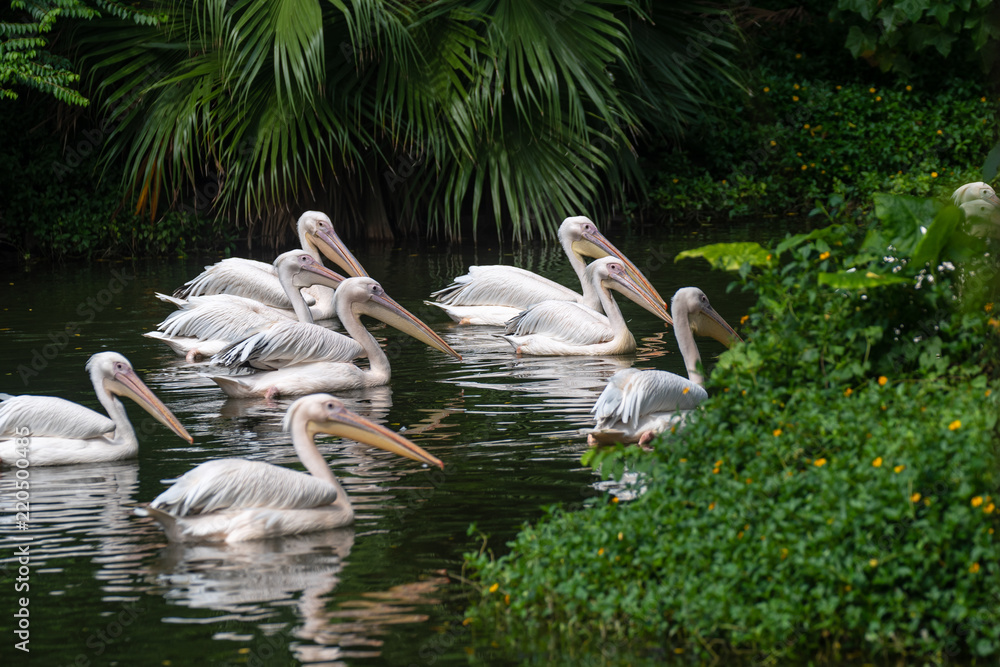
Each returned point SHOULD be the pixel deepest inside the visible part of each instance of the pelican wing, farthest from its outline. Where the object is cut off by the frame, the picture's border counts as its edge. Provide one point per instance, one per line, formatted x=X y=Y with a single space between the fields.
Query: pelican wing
x=500 y=285
x=237 y=484
x=52 y=417
x=220 y=316
x=566 y=321
x=240 y=277
x=289 y=343
x=632 y=394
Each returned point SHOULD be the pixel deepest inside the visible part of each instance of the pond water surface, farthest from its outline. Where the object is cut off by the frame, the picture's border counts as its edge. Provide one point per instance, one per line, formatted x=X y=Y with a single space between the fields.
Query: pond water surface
x=107 y=588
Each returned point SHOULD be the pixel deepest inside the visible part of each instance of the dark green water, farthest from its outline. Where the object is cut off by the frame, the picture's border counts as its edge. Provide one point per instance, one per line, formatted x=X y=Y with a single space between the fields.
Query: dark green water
x=106 y=588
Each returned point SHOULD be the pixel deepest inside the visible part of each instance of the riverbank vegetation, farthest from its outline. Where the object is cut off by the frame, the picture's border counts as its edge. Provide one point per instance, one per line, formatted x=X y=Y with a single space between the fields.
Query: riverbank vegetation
x=458 y=120
x=835 y=499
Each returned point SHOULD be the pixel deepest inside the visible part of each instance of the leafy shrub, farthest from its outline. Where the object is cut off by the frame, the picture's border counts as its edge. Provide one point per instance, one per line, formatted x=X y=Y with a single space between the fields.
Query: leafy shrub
x=798 y=139
x=836 y=497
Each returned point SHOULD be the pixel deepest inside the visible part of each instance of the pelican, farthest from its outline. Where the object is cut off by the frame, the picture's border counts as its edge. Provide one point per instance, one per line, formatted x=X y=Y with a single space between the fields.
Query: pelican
x=205 y=325
x=974 y=192
x=636 y=405
x=259 y=280
x=355 y=297
x=494 y=294
x=47 y=431
x=235 y=500
x=568 y=328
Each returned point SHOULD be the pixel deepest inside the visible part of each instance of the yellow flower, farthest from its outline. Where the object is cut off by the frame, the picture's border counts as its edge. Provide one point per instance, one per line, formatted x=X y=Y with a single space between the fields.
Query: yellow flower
x=784 y=554
x=494 y=587
x=739 y=535
x=974 y=568
x=824 y=255
x=877 y=462
x=749 y=480
x=766 y=89
x=686 y=390
x=848 y=391
x=955 y=425
x=940 y=132
x=839 y=87
x=804 y=167
x=795 y=98
x=684 y=460
x=600 y=552
x=977 y=501
x=506 y=599
x=871 y=90
x=982 y=99
x=711 y=506
x=988 y=392
x=882 y=380
x=989 y=509
x=743 y=320
x=909 y=87
x=677 y=180
x=915 y=498
x=898 y=469
x=878 y=98
x=797 y=56
x=819 y=463
x=988 y=307
x=615 y=500
x=678 y=651
x=873 y=562
x=777 y=432
x=773 y=142
x=933 y=174
x=806 y=126
x=715 y=471
x=621 y=536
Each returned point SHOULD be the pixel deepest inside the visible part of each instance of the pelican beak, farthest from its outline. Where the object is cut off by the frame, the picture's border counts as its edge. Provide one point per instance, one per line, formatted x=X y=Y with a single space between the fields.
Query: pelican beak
x=709 y=323
x=621 y=280
x=314 y=273
x=334 y=249
x=595 y=245
x=991 y=197
x=384 y=308
x=127 y=383
x=342 y=422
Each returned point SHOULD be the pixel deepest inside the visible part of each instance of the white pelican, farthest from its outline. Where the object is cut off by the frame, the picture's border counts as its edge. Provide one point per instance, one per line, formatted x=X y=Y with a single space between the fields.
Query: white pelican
x=235 y=500
x=46 y=431
x=355 y=297
x=636 y=405
x=204 y=325
x=569 y=328
x=493 y=294
x=973 y=192
x=259 y=280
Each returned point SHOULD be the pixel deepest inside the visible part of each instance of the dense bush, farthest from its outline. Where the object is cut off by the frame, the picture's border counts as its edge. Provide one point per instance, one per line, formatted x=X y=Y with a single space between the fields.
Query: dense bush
x=798 y=140
x=836 y=497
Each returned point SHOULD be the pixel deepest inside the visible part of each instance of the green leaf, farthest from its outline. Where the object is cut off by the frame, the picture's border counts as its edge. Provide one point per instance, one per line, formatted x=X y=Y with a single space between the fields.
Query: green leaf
x=730 y=256
x=859 y=279
x=937 y=236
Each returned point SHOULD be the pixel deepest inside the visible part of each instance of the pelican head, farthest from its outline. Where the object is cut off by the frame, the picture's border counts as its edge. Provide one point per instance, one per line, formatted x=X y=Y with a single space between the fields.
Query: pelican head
x=114 y=373
x=701 y=316
x=366 y=297
x=972 y=192
x=301 y=269
x=316 y=233
x=580 y=235
x=322 y=413
x=614 y=274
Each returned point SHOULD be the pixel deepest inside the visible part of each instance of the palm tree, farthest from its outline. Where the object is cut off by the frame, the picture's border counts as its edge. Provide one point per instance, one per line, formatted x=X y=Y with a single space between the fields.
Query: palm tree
x=426 y=116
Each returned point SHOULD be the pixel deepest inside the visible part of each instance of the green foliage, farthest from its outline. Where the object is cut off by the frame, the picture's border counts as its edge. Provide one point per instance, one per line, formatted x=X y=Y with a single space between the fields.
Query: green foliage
x=426 y=113
x=894 y=34
x=836 y=498
x=798 y=141
x=24 y=57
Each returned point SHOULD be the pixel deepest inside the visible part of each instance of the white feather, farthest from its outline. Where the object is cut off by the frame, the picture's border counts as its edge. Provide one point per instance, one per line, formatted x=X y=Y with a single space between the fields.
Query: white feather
x=289 y=343
x=51 y=416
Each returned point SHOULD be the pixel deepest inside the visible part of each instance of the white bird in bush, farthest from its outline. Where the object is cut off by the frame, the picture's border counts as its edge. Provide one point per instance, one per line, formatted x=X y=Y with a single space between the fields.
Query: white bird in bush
x=491 y=295
x=46 y=431
x=636 y=405
x=235 y=500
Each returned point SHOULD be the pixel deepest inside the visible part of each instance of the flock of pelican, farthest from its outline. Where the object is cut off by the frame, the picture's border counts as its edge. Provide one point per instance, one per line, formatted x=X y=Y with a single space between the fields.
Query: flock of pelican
x=259 y=321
